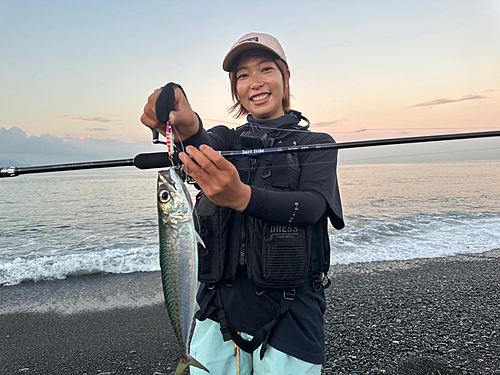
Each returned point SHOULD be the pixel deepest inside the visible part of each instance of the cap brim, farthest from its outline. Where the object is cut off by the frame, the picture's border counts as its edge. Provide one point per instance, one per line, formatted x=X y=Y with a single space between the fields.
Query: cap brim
x=228 y=60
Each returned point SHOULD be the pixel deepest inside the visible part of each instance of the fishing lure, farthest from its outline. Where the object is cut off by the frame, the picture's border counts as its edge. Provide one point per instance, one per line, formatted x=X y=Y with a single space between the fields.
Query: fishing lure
x=169 y=136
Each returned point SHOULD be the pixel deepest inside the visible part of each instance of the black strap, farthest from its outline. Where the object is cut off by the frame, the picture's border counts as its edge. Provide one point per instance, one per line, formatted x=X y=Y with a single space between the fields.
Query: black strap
x=165 y=101
x=206 y=308
x=279 y=175
x=262 y=336
x=212 y=302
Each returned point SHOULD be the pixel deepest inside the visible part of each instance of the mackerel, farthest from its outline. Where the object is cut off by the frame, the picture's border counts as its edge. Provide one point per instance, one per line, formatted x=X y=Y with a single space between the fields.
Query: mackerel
x=178 y=259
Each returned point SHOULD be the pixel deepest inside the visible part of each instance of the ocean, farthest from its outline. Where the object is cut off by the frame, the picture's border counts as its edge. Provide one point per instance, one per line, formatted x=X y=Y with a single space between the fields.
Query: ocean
x=63 y=224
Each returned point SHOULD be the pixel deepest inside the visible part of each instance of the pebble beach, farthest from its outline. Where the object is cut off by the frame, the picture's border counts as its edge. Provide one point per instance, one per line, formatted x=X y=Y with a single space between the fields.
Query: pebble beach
x=425 y=316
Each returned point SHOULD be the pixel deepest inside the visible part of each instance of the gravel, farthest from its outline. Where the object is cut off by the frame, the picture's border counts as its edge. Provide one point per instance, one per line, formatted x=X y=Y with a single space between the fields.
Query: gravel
x=431 y=316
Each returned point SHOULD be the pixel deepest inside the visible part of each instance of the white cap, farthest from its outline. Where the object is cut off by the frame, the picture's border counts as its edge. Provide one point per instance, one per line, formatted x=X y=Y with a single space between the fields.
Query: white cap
x=250 y=41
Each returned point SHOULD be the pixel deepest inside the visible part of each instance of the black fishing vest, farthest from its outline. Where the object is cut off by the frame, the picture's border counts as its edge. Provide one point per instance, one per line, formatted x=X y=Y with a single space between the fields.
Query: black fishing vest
x=280 y=257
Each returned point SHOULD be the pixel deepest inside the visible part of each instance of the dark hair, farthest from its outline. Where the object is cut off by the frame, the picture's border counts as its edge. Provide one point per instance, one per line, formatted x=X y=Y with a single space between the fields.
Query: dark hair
x=237 y=108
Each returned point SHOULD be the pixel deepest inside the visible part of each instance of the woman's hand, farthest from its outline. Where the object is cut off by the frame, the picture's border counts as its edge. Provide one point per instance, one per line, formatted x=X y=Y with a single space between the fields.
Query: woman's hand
x=182 y=118
x=217 y=177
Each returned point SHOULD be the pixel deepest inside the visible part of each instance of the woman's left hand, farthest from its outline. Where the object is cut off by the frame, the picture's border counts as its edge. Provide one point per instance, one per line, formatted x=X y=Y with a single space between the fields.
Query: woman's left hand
x=217 y=177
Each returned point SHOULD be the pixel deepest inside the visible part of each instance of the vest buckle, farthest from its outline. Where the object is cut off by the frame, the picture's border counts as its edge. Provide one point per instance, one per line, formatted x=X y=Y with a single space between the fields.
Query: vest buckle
x=289 y=295
x=316 y=283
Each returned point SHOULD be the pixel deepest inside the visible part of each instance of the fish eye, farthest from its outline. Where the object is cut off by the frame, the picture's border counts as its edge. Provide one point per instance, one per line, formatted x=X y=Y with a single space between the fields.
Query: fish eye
x=164 y=196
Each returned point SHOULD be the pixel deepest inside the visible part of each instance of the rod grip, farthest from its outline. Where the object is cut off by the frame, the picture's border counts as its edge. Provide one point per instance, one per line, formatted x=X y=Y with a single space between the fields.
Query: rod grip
x=8 y=172
x=165 y=102
x=154 y=160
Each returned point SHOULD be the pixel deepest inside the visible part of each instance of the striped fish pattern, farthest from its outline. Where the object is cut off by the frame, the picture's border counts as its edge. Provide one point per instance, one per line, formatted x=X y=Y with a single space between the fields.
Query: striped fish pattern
x=178 y=259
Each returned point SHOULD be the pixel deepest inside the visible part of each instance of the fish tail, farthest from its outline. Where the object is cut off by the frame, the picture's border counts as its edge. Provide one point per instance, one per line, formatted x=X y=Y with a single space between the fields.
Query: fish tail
x=188 y=361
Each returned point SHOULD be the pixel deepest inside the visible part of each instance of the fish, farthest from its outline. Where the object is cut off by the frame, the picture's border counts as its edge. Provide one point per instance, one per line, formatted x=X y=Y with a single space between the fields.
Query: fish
x=178 y=259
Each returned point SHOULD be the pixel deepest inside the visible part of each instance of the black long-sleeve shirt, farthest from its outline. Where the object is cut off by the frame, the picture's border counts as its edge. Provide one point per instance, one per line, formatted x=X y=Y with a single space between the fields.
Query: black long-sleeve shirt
x=300 y=332
x=318 y=186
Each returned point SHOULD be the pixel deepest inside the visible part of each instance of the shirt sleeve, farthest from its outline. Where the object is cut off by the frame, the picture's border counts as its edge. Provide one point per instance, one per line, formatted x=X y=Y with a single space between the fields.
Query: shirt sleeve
x=319 y=174
x=301 y=208
x=219 y=138
x=318 y=181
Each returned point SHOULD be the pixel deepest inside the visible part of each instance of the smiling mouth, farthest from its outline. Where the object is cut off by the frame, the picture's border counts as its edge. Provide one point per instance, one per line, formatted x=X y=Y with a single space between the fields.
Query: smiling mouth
x=260 y=97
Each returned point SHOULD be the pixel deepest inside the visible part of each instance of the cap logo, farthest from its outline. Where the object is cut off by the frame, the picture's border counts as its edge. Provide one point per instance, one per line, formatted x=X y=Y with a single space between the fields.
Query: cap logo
x=253 y=39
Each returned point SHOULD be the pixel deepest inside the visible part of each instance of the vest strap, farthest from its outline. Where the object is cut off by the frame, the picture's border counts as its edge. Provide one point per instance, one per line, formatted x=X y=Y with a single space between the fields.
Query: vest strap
x=206 y=308
x=227 y=330
x=279 y=175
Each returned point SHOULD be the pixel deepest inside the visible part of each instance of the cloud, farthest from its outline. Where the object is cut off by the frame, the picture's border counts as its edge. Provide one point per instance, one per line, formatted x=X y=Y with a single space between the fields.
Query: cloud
x=330 y=123
x=82 y=137
x=101 y=130
x=93 y=119
x=15 y=141
x=17 y=147
x=474 y=96
x=487 y=90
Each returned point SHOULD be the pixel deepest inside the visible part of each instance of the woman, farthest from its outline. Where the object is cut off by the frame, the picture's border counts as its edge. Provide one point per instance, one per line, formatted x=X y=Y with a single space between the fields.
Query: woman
x=263 y=220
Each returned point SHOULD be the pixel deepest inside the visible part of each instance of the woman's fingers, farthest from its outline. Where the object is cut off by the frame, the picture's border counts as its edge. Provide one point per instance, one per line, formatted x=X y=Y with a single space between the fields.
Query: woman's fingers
x=148 y=116
x=216 y=158
x=199 y=164
x=217 y=177
x=182 y=117
x=191 y=167
x=210 y=159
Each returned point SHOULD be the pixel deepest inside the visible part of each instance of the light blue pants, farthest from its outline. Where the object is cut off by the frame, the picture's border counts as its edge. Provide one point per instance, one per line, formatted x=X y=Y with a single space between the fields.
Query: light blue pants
x=224 y=358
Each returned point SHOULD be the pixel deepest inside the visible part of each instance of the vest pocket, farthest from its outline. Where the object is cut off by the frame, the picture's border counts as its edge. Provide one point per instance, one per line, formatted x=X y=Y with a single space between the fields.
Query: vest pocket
x=211 y=223
x=320 y=259
x=285 y=263
x=280 y=255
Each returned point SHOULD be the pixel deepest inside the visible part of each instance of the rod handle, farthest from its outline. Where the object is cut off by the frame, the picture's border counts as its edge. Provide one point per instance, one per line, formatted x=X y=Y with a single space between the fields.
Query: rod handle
x=8 y=172
x=154 y=160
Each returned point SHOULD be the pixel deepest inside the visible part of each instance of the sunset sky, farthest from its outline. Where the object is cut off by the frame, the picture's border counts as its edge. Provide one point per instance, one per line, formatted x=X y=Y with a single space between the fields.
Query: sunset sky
x=76 y=75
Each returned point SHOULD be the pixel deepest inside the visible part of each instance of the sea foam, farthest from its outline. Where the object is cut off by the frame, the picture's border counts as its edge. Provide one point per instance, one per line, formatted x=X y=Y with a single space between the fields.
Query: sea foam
x=415 y=236
x=135 y=259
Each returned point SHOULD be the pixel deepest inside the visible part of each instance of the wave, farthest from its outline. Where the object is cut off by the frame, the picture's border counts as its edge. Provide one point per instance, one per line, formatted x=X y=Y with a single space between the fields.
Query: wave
x=49 y=267
x=415 y=236
x=362 y=240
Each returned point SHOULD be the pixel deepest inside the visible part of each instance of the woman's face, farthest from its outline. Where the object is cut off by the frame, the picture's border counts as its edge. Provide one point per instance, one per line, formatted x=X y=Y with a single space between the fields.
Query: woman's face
x=259 y=84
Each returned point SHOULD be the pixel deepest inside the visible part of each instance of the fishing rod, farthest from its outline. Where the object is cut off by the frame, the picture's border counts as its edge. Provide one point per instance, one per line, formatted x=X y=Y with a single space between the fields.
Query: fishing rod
x=141 y=161
x=162 y=159
x=164 y=105
x=359 y=144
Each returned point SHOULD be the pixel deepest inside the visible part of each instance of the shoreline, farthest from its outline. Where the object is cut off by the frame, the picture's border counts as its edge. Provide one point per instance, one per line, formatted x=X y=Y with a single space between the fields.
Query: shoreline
x=421 y=316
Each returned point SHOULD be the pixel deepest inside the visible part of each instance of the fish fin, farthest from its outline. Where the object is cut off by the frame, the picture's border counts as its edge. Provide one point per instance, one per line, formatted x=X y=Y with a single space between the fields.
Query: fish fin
x=188 y=361
x=199 y=240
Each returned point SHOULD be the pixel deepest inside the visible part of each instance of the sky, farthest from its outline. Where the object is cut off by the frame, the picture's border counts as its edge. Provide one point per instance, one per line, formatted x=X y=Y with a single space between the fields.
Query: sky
x=75 y=76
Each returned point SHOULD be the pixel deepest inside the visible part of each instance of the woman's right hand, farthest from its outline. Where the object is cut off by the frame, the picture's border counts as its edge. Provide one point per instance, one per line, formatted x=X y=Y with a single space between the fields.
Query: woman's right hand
x=182 y=118
x=217 y=177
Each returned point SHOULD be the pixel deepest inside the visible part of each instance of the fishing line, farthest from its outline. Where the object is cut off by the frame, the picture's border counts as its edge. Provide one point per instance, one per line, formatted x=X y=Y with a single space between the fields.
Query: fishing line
x=222 y=123
x=187 y=179
x=425 y=154
x=374 y=158
x=180 y=141
x=396 y=129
